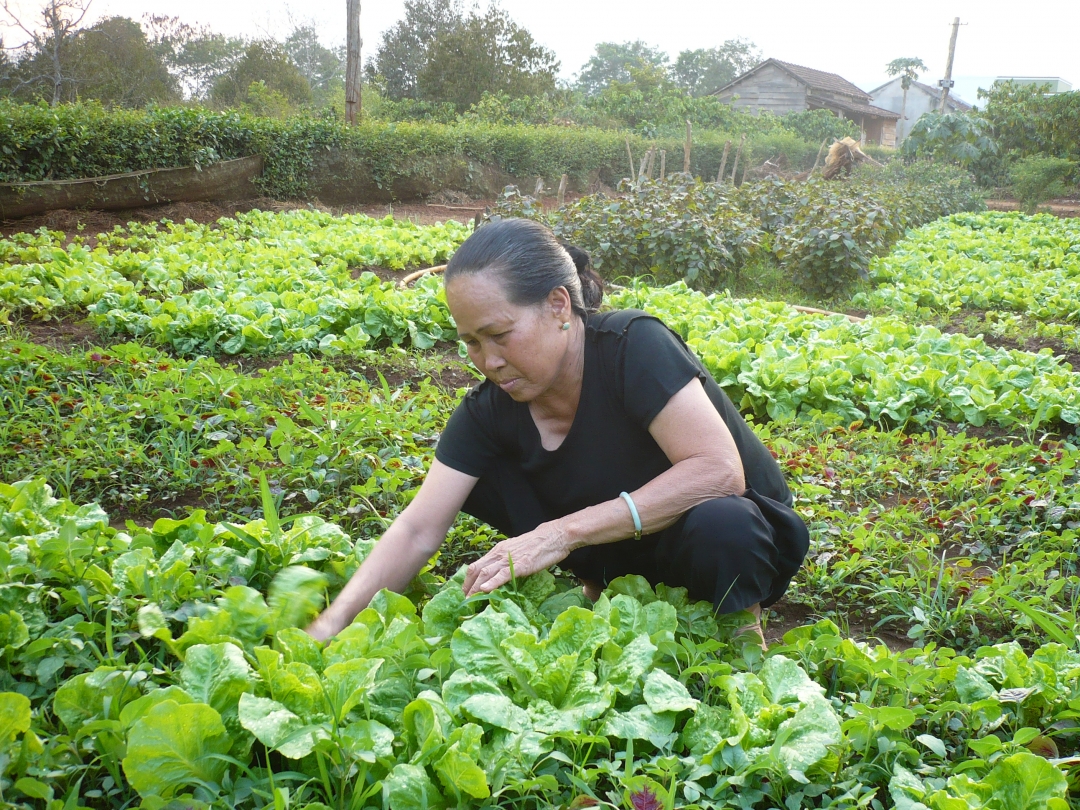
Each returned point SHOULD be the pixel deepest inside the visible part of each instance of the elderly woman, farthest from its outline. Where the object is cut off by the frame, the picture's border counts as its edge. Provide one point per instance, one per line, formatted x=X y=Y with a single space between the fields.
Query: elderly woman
x=597 y=442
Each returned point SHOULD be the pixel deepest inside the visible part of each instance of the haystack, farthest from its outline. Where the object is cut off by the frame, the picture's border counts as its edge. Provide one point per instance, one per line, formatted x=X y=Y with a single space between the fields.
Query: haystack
x=844 y=154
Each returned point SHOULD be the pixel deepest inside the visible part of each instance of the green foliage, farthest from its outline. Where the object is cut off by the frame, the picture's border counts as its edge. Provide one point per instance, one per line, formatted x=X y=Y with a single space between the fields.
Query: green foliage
x=964 y=139
x=267 y=62
x=38 y=143
x=614 y=62
x=682 y=228
x=705 y=70
x=203 y=290
x=1028 y=122
x=485 y=53
x=1038 y=179
x=113 y=63
x=405 y=48
x=988 y=261
x=819 y=125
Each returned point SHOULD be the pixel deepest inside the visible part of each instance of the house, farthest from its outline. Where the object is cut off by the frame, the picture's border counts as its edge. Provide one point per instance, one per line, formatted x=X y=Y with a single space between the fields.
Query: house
x=921 y=99
x=781 y=87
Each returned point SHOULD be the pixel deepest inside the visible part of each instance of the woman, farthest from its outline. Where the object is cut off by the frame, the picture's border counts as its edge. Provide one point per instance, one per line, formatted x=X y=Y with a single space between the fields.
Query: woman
x=597 y=441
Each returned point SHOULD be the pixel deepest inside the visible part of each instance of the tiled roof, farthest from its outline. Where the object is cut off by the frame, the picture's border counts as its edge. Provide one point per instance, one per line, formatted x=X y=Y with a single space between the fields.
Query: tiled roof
x=816 y=79
x=856 y=108
x=821 y=80
x=935 y=92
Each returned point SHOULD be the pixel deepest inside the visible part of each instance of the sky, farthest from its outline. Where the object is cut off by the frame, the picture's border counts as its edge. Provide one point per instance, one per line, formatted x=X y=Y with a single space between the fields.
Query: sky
x=855 y=40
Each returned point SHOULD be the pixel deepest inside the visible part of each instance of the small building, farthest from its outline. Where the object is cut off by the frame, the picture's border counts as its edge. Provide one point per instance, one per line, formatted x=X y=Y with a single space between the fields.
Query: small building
x=921 y=99
x=1054 y=84
x=781 y=87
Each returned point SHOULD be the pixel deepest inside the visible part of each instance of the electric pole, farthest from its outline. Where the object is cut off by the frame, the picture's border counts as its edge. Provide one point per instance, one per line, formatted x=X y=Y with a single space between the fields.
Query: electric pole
x=352 y=63
x=947 y=82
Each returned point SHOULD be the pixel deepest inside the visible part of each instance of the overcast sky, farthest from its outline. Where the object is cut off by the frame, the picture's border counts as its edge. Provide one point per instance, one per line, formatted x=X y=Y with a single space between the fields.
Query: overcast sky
x=996 y=38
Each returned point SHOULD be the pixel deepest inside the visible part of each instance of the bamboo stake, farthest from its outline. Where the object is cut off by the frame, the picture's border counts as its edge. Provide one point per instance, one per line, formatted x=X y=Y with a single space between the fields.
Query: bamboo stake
x=409 y=279
x=687 y=146
x=663 y=163
x=630 y=155
x=723 y=162
x=352 y=62
x=738 y=152
x=562 y=190
x=820 y=151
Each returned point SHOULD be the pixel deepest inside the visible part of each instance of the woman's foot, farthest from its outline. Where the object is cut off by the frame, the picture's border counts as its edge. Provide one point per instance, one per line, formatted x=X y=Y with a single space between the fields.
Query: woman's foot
x=592 y=589
x=754 y=628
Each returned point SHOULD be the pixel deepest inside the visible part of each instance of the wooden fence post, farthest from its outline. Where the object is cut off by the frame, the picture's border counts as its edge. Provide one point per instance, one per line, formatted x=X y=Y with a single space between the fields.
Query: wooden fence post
x=686 y=148
x=652 y=157
x=723 y=162
x=539 y=187
x=738 y=152
x=562 y=190
x=630 y=155
x=663 y=164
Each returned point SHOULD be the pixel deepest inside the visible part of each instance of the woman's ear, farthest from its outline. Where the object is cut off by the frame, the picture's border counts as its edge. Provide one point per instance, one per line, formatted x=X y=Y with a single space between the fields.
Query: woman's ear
x=561 y=305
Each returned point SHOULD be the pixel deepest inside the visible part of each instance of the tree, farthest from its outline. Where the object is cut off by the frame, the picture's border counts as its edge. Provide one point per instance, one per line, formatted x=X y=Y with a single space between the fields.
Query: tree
x=405 y=48
x=264 y=61
x=45 y=61
x=612 y=63
x=907 y=69
x=322 y=67
x=487 y=53
x=702 y=71
x=196 y=57
x=113 y=63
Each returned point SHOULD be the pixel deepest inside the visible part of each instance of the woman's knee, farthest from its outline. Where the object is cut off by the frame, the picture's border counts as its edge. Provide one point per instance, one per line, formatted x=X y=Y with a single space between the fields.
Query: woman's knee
x=732 y=520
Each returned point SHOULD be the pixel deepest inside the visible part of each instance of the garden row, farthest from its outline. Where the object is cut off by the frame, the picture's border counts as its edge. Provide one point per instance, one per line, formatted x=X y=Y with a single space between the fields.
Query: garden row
x=151 y=663
x=950 y=521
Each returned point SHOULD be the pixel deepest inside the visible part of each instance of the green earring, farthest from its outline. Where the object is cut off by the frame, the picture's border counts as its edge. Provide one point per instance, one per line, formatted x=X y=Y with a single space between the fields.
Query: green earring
x=565 y=326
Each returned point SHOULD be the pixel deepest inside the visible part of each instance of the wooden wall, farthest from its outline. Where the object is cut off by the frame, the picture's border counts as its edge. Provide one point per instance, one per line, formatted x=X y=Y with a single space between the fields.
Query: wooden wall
x=769 y=89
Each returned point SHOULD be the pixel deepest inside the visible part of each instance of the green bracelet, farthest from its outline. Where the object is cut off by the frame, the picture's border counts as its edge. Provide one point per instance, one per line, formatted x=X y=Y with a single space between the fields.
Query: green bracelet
x=633 y=513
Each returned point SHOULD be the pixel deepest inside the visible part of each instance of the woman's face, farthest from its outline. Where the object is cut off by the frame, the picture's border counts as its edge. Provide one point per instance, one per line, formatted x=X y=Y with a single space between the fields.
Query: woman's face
x=523 y=350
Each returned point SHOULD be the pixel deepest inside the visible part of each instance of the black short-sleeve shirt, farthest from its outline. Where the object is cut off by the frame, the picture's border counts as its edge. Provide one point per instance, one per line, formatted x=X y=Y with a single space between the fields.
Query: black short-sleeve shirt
x=633 y=365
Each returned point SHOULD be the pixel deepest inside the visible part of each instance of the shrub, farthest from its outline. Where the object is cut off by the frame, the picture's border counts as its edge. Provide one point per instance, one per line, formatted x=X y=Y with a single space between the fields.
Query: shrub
x=679 y=229
x=1038 y=179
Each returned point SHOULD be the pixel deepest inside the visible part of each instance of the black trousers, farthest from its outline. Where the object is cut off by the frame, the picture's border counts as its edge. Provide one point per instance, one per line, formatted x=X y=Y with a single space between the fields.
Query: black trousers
x=734 y=552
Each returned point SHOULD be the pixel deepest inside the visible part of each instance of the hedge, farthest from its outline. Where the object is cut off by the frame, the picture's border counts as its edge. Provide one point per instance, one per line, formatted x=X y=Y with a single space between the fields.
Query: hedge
x=38 y=142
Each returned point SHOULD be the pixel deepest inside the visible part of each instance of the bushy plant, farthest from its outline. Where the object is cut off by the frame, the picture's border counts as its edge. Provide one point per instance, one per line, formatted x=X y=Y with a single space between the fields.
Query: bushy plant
x=819 y=125
x=1038 y=179
x=678 y=229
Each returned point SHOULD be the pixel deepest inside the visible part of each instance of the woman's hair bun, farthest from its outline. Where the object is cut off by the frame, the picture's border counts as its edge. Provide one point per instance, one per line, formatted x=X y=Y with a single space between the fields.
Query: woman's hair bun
x=592 y=286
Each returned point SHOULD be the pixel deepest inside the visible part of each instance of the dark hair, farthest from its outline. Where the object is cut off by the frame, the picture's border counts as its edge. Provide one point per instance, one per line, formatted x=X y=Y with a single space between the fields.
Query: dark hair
x=531 y=263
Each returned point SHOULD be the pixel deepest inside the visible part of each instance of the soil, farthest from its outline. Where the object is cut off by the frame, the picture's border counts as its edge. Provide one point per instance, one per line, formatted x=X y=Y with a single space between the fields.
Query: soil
x=785 y=616
x=1064 y=208
x=67 y=333
x=146 y=513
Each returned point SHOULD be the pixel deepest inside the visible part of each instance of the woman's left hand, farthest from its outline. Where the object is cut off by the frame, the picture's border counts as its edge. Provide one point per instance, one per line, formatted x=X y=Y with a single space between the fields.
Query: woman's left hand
x=539 y=549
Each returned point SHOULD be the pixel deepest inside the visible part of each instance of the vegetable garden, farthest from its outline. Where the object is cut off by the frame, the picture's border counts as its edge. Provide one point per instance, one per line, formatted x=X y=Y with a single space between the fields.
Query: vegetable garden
x=157 y=663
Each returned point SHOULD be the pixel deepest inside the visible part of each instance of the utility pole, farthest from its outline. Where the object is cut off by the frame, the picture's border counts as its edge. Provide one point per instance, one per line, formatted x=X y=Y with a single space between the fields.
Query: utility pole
x=352 y=63
x=947 y=82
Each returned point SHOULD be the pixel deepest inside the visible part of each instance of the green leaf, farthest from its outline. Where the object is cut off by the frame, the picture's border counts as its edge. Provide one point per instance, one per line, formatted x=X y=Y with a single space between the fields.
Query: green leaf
x=90 y=695
x=296 y=595
x=804 y=740
x=278 y=728
x=1025 y=781
x=408 y=787
x=665 y=694
x=14 y=716
x=174 y=747
x=368 y=740
x=216 y=674
x=786 y=682
x=348 y=683
x=458 y=772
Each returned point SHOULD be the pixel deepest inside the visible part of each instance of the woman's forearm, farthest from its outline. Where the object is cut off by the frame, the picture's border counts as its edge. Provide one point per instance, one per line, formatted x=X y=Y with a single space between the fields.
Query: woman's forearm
x=660 y=503
x=393 y=563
